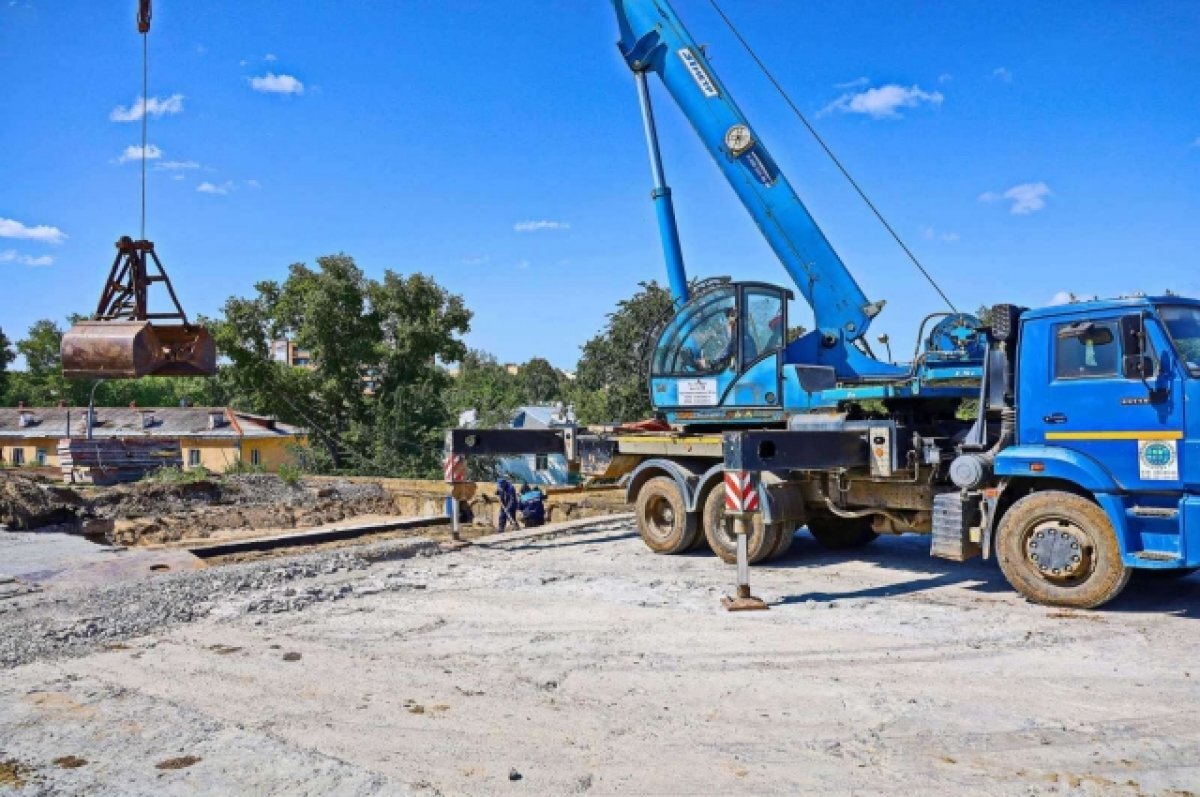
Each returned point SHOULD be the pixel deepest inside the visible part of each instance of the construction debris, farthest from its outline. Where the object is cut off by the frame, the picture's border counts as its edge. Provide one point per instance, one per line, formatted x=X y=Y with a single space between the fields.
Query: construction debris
x=116 y=460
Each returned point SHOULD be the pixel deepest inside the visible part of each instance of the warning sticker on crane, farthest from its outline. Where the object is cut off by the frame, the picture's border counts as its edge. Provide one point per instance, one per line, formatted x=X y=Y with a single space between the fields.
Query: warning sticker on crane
x=706 y=84
x=758 y=165
x=697 y=393
x=1158 y=460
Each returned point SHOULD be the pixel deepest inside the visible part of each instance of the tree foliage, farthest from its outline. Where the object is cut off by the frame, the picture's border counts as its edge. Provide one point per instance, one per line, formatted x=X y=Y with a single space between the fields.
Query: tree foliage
x=373 y=397
x=486 y=386
x=611 y=382
x=7 y=355
x=540 y=382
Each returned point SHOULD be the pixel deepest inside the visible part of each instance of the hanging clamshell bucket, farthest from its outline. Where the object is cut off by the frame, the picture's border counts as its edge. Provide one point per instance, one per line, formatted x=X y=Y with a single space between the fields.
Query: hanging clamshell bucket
x=132 y=349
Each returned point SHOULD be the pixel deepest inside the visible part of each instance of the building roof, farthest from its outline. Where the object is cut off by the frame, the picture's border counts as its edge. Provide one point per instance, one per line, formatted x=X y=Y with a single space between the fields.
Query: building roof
x=194 y=422
x=535 y=416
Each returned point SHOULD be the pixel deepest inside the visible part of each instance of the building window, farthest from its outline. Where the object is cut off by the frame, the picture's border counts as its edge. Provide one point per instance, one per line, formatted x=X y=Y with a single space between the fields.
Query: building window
x=18 y=456
x=40 y=457
x=255 y=457
x=193 y=457
x=541 y=462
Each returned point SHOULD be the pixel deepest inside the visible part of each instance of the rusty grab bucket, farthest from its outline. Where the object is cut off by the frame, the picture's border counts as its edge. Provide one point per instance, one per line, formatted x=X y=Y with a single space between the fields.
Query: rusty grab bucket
x=132 y=349
x=121 y=341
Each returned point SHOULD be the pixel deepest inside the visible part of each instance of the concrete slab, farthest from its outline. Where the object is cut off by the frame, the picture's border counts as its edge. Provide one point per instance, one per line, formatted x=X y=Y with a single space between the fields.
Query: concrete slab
x=53 y=558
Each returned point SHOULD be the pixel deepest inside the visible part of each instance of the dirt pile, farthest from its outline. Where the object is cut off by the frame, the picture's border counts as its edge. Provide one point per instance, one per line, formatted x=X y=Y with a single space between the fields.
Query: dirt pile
x=27 y=503
x=156 y=512
x=149 y=513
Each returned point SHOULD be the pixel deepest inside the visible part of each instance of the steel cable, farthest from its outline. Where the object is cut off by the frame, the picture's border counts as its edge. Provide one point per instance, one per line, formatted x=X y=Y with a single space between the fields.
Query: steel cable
x=836 y=162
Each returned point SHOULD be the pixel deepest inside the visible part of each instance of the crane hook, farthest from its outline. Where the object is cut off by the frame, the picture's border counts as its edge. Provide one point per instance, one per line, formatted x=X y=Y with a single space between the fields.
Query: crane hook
x=144 y=16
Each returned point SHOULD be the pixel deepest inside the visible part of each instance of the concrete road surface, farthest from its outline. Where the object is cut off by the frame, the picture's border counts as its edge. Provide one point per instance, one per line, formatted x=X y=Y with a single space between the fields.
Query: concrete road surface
x=586 y=664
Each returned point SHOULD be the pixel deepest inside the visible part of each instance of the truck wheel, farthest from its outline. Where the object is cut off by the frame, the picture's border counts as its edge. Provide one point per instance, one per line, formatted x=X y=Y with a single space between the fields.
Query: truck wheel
x=786 y=535
x=841 y=533
x=1059 y=549
x=760 y=542
x=662 y=518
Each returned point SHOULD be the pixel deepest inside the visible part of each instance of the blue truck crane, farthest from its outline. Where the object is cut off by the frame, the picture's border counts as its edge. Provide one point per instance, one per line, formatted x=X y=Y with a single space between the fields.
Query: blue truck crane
x=1057 y=439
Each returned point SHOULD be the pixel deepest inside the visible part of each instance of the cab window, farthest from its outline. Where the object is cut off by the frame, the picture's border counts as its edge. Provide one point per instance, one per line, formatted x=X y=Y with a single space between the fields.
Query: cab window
x=1087 y=350
x=764 y=325
x=700 y=339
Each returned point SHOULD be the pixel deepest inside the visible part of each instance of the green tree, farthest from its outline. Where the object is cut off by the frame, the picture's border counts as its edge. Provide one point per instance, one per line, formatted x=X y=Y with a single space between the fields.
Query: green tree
x=6 y=357
x=540 y=382
x=610 y=384
x=485 y=386
x=419 y=323
x=372 y=399
x=42 y=382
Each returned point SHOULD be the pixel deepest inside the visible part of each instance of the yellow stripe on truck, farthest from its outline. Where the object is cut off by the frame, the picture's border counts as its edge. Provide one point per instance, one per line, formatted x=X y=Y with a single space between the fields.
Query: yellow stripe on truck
x=1146 y=435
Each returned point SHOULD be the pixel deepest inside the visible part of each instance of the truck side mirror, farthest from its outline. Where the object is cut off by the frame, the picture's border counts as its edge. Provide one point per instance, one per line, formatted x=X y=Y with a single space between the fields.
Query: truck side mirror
x=1138 y=366
x=1136 y=363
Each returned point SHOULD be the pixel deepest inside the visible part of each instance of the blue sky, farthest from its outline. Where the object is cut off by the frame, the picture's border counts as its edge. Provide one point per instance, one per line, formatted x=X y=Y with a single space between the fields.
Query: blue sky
x=1023 y=149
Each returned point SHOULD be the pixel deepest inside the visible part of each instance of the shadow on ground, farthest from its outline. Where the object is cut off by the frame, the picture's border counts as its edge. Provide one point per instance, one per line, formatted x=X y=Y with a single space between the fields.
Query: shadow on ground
x=1158 y=593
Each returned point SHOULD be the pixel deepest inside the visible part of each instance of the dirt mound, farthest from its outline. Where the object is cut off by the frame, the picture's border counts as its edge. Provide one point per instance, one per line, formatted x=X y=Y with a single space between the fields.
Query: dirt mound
x=155 y=512
x=27 y=503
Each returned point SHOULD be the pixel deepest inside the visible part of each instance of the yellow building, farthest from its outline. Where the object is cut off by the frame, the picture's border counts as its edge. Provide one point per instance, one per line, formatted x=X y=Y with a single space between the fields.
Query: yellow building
x=216 y=438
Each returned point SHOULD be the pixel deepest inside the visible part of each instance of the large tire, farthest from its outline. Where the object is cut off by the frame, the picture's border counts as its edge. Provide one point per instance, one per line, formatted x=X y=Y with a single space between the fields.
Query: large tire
x=840 y=533
x=761 y=541
x=662 y=517
x=786 y=535
x=1059 y=549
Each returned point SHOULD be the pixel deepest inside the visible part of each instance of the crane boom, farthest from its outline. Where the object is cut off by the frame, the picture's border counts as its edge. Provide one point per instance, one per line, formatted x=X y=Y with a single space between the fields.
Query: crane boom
x=653 y=39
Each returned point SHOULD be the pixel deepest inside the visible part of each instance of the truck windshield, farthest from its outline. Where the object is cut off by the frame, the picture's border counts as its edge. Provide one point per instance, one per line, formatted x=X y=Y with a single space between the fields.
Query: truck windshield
x=1183 y=323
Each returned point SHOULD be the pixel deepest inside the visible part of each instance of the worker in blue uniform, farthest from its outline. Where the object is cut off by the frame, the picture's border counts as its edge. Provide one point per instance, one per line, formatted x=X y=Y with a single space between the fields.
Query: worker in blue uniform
x=506 y=494
x=533 y=506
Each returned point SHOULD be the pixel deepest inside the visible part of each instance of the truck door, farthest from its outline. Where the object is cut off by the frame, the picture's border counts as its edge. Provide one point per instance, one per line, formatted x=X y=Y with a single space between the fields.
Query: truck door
x=1077 y=392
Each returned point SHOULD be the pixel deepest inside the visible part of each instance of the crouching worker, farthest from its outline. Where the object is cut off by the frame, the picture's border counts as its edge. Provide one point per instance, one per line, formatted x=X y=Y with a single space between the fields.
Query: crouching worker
x=533 y=506
x=506 y=494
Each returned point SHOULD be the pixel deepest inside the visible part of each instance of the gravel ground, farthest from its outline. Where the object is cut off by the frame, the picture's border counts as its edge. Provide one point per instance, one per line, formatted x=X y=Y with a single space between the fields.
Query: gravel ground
x=585 y=664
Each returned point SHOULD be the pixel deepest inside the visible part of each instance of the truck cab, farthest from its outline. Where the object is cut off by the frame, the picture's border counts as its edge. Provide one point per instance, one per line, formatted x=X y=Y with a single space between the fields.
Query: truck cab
x=1103 y=474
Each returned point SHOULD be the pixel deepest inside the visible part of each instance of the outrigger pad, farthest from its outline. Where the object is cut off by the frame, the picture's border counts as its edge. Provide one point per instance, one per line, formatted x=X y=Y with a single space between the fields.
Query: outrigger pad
x=132 y=349
x=746 y=603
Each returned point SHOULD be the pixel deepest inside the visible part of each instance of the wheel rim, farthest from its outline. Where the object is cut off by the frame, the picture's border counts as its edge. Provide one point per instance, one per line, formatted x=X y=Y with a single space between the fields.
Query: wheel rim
x=1060 y=551
x=660 y=517
x=723 y=531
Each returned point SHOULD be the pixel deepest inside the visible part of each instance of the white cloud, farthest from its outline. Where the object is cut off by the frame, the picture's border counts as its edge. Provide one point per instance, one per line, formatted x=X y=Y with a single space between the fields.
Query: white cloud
x=476 y=261
x=153 y=106
x=1026 y=198
x=271 y=83
x=214 y=188
x=270 y=57
x=134 y=153
x=945 y=77
x=853 y=84
x=175 y=166
x=176 y=176
x=1002 y=74
x=543 y=224
x=929 y=233
x=12 y=256
x=10 y=228
x=252 y=183
x=1062 y=297
x=883 y=102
